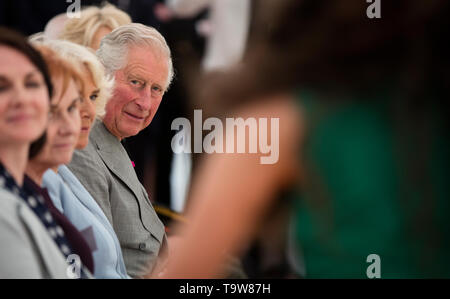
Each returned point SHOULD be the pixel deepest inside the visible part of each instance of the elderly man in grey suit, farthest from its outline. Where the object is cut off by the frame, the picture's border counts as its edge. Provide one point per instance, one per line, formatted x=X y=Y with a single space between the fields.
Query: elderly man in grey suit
x=140 y=61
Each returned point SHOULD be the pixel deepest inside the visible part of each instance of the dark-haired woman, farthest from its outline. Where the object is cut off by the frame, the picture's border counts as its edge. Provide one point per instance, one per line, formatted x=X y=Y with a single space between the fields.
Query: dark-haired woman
x=363 y=143
x=26 y=248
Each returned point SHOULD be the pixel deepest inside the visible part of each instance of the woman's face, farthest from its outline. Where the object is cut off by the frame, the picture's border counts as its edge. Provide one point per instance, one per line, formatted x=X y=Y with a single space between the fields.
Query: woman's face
x=87 y=111
x=24 y=101
x=63 y=127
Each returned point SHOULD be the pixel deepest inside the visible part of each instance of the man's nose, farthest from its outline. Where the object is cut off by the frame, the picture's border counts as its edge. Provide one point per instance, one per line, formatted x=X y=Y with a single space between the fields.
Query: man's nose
x=144 y=101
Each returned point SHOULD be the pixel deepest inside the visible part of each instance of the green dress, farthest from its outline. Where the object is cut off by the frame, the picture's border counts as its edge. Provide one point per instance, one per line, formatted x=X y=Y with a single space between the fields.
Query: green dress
x=357 y=199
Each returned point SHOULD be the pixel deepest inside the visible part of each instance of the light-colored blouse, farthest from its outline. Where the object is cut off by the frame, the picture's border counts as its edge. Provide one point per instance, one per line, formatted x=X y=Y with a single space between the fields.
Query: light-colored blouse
x=74 y=201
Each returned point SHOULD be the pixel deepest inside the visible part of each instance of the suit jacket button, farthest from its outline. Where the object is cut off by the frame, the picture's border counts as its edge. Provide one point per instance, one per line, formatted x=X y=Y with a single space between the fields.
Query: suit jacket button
x=142 y=246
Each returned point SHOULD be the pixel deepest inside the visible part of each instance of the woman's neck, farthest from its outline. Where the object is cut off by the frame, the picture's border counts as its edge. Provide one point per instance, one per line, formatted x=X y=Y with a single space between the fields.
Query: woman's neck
x=14 y=159
x=36 y=172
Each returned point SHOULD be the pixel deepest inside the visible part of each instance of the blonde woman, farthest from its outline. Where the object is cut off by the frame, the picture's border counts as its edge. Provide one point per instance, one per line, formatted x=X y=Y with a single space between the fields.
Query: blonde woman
x=93 y=25
x=66 y=192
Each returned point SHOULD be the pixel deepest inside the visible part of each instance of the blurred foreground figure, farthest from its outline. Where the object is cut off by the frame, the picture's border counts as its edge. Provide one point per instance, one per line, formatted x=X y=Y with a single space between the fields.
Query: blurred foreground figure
x=28 y=247
x=363 y=143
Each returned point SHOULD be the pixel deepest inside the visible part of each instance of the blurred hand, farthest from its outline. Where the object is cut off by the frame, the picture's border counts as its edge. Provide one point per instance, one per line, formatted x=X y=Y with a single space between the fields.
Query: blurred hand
x=161 y=265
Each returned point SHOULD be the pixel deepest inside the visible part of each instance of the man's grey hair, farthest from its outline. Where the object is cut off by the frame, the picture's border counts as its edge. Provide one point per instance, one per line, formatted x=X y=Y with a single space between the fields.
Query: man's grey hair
x=114 y=47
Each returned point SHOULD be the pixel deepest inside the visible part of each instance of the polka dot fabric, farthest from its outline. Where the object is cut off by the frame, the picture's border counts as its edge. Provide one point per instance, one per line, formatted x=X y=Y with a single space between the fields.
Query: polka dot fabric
x=37 y=204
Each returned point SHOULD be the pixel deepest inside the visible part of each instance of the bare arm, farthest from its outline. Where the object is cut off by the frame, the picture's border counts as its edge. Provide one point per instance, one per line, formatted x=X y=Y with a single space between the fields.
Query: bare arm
x=230 y=195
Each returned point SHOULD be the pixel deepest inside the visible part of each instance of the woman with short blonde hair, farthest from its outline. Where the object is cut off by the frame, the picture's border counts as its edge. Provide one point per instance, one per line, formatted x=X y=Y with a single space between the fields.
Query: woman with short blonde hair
x=94 y=23
x=95 y=71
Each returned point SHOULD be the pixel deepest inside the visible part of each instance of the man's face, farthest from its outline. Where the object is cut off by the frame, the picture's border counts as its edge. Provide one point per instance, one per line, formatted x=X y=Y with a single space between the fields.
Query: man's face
x=139 y=89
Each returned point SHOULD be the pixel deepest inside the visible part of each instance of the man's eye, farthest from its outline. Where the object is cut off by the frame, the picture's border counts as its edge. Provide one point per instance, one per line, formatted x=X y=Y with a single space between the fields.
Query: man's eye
x=136 y=82
x=93 y=97
x=157 y=89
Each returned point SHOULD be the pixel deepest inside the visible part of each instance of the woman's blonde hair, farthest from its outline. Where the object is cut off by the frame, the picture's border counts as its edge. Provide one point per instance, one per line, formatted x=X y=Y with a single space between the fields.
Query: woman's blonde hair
x=82 y=30
x=86 y=57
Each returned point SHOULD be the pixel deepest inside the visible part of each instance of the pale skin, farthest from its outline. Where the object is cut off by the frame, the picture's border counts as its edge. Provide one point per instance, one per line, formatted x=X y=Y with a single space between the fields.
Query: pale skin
x=231 y=202
x=24 y=107
x=67 y=126
x=62 y=132
x=139 y=90
x=87 y=109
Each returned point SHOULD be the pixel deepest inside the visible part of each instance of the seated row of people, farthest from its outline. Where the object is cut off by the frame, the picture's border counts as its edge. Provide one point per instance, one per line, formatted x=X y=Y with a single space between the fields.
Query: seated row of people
x=58 y=97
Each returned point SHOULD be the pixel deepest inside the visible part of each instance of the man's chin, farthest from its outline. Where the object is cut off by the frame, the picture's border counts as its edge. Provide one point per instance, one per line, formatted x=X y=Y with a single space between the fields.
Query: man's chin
x=129 y=132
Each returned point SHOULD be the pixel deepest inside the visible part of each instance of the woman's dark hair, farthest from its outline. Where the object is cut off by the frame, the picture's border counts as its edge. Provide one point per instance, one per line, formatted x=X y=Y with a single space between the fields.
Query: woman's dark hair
x=333 y=46
x=19 y=43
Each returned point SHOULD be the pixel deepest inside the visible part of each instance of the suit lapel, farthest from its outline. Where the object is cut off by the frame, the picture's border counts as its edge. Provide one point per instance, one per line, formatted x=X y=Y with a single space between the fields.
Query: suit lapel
x=119 y=166
x=116 y=159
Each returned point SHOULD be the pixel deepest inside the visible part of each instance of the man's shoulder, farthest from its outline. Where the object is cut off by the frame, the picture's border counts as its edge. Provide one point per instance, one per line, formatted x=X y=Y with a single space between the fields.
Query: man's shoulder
x=86 y=156
x=89 y=154
x=87 y=165
x=100 y=137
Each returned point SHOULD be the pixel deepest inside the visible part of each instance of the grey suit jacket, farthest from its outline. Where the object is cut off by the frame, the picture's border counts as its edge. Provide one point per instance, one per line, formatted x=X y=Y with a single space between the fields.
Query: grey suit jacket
x=105 y=170
x=26 y=248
